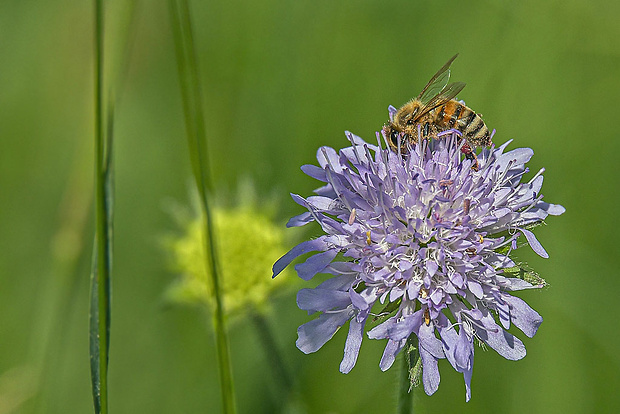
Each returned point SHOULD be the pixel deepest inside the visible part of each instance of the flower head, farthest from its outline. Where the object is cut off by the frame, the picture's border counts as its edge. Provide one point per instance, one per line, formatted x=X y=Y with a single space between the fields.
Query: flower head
x=426 y=236
x=247 y=238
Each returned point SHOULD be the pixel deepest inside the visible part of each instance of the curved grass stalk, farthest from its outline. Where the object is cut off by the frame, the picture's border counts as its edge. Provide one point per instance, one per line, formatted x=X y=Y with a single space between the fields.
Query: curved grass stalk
x=196 y=135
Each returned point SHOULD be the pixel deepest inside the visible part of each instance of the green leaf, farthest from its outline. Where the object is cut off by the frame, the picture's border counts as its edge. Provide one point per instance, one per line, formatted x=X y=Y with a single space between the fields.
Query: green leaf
x=524 y=272
x=414 y=362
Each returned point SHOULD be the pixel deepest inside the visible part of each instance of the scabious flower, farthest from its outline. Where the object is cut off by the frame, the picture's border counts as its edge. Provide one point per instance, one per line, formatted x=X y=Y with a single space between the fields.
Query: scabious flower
x=247 y=238
x=422 y=235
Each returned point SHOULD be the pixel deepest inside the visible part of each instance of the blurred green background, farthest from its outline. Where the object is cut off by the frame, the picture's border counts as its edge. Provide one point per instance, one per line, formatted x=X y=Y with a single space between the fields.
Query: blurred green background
x=280 y=79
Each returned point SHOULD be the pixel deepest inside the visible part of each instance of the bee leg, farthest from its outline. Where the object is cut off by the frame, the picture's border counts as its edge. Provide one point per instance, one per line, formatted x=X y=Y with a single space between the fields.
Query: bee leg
x=470 y=155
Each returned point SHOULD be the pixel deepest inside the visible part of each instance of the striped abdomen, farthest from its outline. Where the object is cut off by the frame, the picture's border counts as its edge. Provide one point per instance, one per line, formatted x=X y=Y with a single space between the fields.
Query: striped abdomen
x=455 y=115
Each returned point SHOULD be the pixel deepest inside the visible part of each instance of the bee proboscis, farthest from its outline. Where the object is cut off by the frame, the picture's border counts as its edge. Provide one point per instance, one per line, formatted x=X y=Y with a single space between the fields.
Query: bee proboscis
x=433 y=111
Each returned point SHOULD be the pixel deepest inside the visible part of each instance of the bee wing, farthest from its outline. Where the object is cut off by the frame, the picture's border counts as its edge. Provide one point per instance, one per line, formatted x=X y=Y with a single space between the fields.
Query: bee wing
x=446 y=94
x=437 y=83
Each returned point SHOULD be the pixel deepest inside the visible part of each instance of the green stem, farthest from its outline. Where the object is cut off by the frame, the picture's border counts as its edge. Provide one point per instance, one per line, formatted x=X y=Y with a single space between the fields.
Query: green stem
x=196 y=134
x=405 y=403
x=410 y=356
x=272 y=352
x=100 y=293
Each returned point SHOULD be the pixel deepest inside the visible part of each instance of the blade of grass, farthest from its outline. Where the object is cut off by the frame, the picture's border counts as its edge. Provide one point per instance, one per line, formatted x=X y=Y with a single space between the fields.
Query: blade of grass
x=68 y=243
x=102 y=257
x=196 y=135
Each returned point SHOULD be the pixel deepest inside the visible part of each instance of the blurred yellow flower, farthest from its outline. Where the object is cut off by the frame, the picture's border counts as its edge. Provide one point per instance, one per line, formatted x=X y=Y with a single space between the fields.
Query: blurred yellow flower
x=247 y=243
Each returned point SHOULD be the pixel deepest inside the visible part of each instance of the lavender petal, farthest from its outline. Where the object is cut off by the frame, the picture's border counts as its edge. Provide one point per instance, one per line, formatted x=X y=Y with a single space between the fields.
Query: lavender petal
x=314 y=334
x=295 y=252
x=315 y=264
x=322 y=300
x=523 y=316
x=535 y=244
x=352 y=345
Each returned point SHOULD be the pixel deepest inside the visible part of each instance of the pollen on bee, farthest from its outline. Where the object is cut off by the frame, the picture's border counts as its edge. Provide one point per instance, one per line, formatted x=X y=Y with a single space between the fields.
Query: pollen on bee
x=423 y=293
x=466 y=149
x=427 y=317
x=470 y=155
x=352 y=217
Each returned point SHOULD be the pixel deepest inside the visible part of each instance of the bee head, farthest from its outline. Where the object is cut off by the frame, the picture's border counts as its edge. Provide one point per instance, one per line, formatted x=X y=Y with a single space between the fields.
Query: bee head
x=409 y=118
x=407 y=114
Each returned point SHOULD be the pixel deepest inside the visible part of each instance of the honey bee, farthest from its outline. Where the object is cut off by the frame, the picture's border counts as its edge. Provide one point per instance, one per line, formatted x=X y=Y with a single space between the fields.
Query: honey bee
x=433 y=111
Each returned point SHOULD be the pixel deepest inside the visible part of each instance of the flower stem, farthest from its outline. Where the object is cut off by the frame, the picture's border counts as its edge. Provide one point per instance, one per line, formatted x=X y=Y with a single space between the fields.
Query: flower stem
x=272 y=351
x=194 y=123
x=410 y=356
